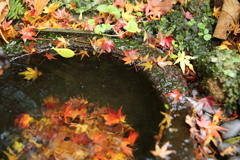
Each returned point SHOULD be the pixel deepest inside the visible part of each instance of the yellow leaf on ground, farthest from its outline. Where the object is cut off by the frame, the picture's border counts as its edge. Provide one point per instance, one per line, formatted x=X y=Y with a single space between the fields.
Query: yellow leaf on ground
x=147 y=65
x=65 y=52
x=31 y=74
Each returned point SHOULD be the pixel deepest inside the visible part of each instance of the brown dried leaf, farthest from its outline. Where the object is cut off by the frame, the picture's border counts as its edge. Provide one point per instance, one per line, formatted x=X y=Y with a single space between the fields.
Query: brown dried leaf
x=227 y=18
x=38 y=6
x=4 y=8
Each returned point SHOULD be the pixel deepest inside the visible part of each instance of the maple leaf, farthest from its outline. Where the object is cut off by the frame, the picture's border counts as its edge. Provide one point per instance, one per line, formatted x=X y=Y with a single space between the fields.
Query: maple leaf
x=216 y=12
x=188 y=15
x=23 y=121
x=119 y=3
x=105 y=45
x=158 y=8
x=82 y=53
x=31 y=73
x=184 y=60
x=167 y=119
x=132 y=137
x=70 y=112
x=139 y=7
x=61 y=42
x=113 y=118
x=50 y=56
x=38 y=7
x=217 y=116
x=211 y=128
x=176 y=94
x=51 y=8
x=130 y=56
x=127 y=150
x=162 y=61
x=166 y=42
x=224 y=45
x=127 y=16
x=27 y=33
x=30 y=49
x=206 y=103
x=62 y=14
x=146 y=65
x=162 y=152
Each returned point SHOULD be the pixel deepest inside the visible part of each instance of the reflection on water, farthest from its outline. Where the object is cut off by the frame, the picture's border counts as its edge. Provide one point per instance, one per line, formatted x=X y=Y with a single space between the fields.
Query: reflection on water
x=106 y=81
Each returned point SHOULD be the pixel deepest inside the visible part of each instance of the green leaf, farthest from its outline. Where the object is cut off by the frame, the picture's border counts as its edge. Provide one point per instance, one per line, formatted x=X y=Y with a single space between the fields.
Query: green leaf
x=91 y=22
x=65 y=52
x=207 y=37
x=114 y=11
x=100 y=29
x=132 y=26
x=102 y=8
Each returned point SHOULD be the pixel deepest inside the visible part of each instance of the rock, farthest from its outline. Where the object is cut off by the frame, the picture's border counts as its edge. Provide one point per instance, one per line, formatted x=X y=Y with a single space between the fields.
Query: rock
x=233 y=129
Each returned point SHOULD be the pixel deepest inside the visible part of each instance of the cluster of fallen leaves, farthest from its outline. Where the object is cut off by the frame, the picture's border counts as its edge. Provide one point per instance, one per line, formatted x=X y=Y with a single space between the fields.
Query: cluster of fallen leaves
x=74 y=130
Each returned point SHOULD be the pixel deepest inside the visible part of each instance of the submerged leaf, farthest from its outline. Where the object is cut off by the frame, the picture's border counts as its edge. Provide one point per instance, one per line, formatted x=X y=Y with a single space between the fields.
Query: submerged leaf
x=31 y=73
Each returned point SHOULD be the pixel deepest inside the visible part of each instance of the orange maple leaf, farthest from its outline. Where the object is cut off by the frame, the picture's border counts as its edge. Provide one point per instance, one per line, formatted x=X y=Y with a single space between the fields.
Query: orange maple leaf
x=131 y=138
x=113 y=118
x=23 y=121
x=61 y=42
x=30 y=49
x=176 y=94
x=127 y=150
x=50 y=56
x=130 y=56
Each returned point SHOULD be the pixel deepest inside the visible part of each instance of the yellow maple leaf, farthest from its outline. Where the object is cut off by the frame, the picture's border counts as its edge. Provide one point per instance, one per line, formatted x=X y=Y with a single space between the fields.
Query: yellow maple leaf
x=139 y=7
x=51 y=8
x=31 y=73
x=167 y=119
x=62 y=42
x=127 y=15
x=185 y=60
x=129 y=7
x=216 y=12
x=224 y=45
x=146 y=65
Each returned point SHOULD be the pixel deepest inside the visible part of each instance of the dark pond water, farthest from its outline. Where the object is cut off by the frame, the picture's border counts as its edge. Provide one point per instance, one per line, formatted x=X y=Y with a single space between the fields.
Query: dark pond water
x=107 y=81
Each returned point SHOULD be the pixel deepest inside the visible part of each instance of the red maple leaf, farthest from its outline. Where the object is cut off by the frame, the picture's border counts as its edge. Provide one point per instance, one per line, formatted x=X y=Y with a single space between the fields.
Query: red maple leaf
x=105 y=45
x=176 y=94
x=130 y=55
x=188 y=15
x=30 y=49
x=166 y=42
x=27 y=33
x=113 y=118
x=207 y=103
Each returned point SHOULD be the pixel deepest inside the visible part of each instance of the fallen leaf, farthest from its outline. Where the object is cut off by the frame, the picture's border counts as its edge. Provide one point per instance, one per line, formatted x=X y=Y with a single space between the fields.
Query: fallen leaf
x=4 y=9
x=162 y=152
x=24 y=120
x=146 y=65
x=61 y=42
x=167 y=119
x=39 y=6
x=82 y=53
x=176 y=94
x=31 y=73
x=65 y=52
x=185 y=61
x=113 y=117
x=30 y=49
x=50 y=56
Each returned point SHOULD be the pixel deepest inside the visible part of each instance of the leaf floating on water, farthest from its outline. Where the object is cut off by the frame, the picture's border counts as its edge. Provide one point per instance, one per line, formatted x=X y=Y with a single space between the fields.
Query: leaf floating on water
x=31 y=73
x=65 y=52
